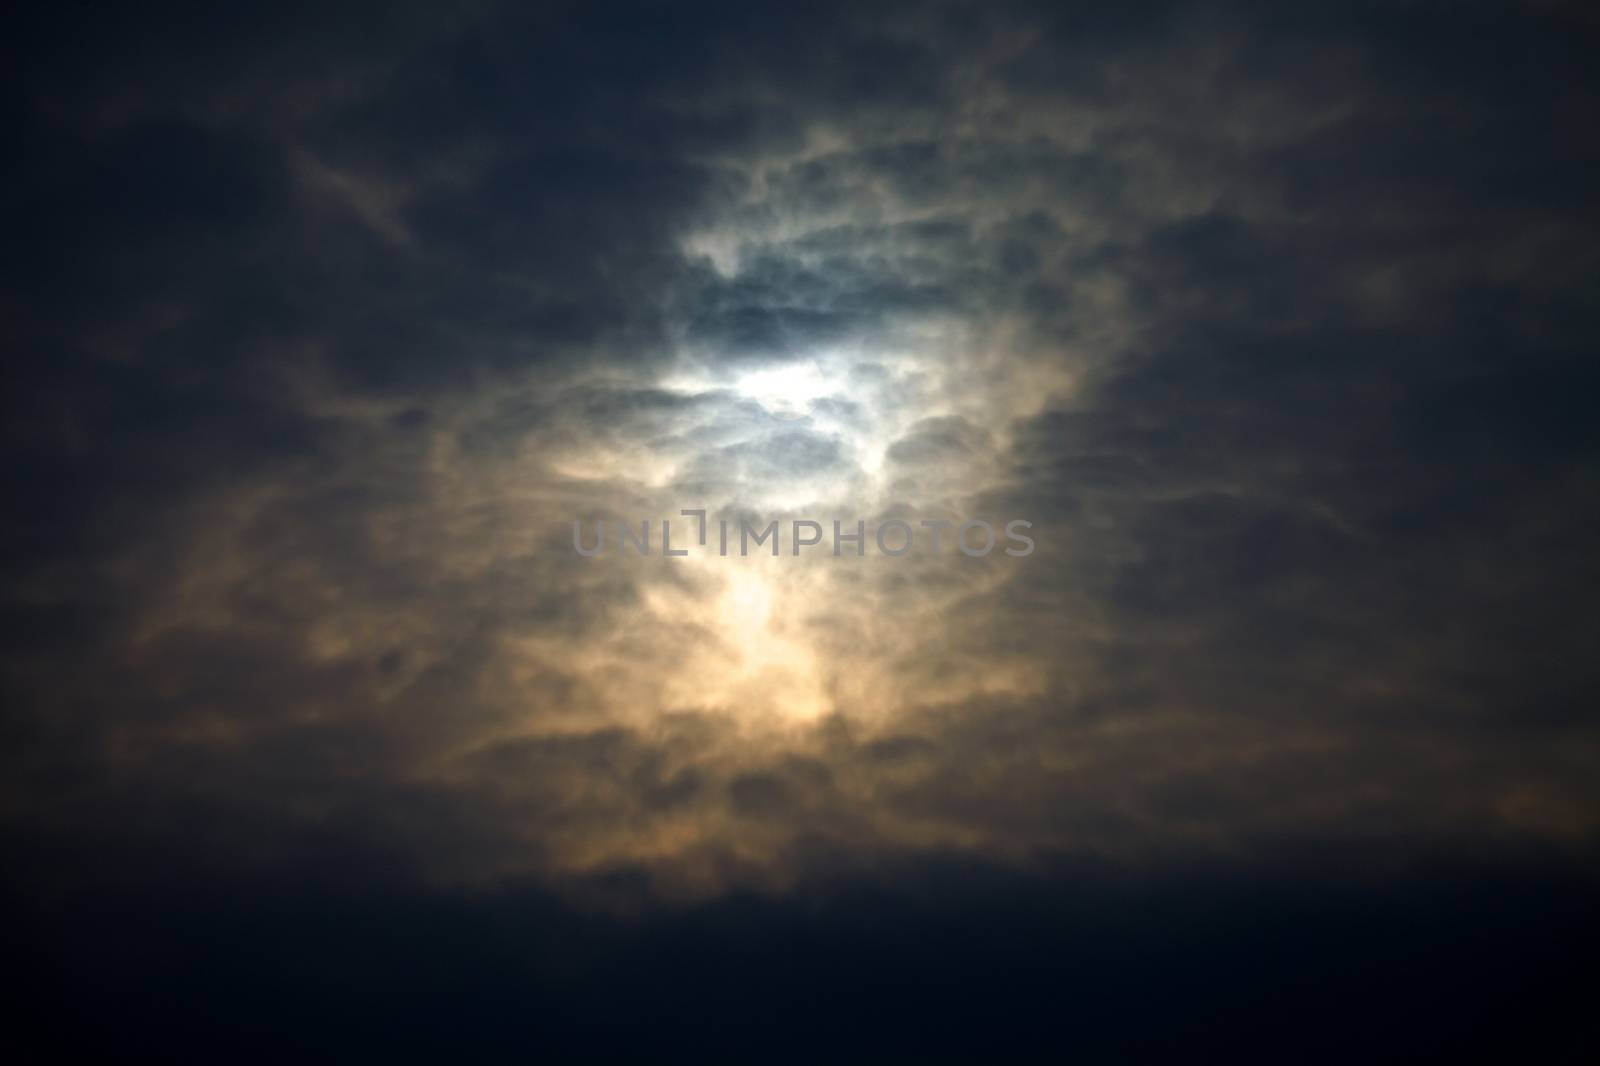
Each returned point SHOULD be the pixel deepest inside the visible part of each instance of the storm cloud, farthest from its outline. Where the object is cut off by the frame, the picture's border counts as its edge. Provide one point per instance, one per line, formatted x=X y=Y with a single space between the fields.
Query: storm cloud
x=323 y=329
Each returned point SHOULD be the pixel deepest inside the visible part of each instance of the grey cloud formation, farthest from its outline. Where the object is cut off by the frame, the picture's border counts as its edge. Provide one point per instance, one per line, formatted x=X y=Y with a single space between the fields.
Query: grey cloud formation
x=1278 y=329
x=323 y=326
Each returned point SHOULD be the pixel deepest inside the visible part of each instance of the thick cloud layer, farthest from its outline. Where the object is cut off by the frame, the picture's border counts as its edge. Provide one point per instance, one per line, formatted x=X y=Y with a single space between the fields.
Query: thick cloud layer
x=1278 y=341
x=325 y=330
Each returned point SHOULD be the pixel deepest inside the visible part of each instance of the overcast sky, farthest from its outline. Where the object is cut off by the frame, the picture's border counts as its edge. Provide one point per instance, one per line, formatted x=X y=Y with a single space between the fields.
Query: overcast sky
x=1278 y=327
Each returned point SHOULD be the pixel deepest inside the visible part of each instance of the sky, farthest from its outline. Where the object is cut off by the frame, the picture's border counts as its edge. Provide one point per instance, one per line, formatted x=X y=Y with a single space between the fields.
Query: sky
x=325 y=326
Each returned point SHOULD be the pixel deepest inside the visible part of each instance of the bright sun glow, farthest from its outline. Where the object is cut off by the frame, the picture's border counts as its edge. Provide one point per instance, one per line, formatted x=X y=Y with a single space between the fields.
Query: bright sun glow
x=756 y=658
x=788 y=390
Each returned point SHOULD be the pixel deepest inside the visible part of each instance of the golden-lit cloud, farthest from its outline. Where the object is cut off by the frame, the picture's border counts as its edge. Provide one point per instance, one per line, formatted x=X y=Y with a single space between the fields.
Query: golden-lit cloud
x=321 y=575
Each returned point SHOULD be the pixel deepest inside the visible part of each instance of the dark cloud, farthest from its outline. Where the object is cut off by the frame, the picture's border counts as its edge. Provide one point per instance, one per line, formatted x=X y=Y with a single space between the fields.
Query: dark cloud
x=323 y=327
